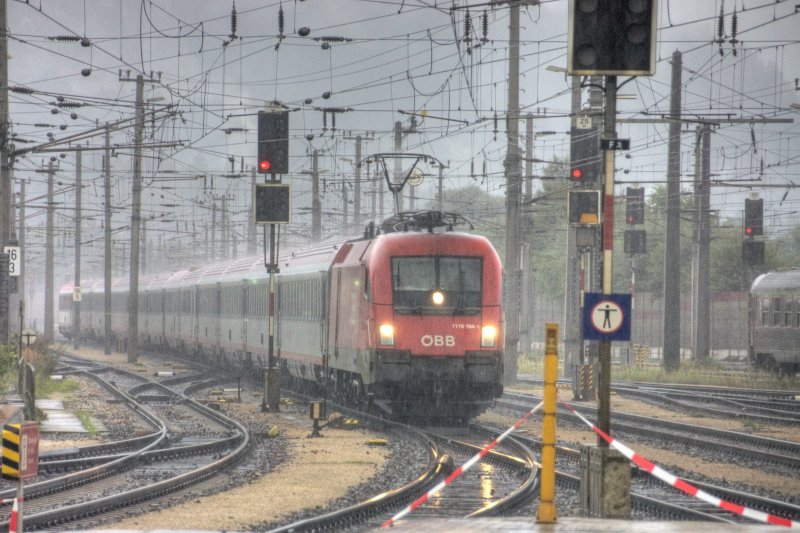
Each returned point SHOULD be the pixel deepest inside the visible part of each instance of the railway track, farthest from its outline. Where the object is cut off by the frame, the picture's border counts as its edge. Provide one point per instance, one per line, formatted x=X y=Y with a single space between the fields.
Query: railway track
x=504 y=482
x=769 y=406
x=784 y=412
x=501 y=482
x=199 y=444
x=376 y=508
x=505 y=479
x=740 y=393
x=653 y=500
x=771 y=454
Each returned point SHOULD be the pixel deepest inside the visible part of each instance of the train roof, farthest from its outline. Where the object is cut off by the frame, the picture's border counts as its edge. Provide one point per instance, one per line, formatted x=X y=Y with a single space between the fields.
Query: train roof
x=314 y=258
x=778 y=281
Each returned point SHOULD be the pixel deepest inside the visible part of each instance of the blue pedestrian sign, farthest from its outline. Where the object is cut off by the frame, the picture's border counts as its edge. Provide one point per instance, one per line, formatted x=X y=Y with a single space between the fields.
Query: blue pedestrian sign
x=606 y=317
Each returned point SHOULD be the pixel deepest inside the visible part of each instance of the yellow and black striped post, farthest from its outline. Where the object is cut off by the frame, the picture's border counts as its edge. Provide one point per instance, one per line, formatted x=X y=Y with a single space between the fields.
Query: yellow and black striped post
x=10 y=466
x=547 y=488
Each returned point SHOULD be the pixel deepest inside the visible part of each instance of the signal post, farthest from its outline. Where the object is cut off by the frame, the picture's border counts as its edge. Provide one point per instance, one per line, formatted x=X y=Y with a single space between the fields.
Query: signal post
x=272 y=207
x=609 y=40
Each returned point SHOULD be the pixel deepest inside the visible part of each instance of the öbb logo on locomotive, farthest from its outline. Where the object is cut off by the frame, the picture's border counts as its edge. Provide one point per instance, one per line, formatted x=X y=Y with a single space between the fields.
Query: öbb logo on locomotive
x=437 y=340
x=430 y=299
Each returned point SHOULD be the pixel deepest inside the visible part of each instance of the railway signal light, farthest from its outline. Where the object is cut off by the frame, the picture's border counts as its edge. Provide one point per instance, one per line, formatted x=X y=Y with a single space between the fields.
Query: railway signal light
x=585 y=162
x=611 y=38
x=584 y=207
x=634 y=205
x=752 y=252
x=635 y=241
x=753 y=217
x=273 y=203
x=273 y=142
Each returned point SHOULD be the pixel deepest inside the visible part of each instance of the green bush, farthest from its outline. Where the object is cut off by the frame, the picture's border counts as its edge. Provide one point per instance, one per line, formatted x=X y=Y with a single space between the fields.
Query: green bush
x=8 y=366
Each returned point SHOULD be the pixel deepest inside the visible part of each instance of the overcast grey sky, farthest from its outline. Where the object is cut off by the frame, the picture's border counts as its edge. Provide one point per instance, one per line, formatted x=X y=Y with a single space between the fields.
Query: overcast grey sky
x=393 y=55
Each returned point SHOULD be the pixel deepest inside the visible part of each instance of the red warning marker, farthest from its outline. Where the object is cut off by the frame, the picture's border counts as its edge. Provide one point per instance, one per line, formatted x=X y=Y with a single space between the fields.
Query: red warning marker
x=674 y=481
x=12 y=521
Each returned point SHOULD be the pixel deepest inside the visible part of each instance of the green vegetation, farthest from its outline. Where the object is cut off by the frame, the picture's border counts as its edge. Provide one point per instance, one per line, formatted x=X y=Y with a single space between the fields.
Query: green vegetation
x=83 y=416
x=8 y=367
x=750 y=424
x=43 y=364
x=46 y=387
x=711 y=374
x=533 y=365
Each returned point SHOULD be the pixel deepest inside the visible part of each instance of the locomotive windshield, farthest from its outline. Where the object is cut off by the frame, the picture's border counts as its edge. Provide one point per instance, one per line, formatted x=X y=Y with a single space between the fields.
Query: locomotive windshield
x=415 y=281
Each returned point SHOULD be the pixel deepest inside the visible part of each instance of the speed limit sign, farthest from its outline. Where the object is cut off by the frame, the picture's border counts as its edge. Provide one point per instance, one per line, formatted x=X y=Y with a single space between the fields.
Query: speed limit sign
x=14 y=263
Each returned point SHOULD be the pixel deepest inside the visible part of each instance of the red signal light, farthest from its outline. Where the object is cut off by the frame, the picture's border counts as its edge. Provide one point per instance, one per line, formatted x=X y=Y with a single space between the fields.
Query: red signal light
x=748 y=230
x=264 y=165
x=577 y=174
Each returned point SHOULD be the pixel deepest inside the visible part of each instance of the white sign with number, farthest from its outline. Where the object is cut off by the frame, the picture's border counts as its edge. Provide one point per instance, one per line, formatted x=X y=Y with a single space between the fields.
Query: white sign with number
x=76 y=294
x=14 y=260
x=583 y=122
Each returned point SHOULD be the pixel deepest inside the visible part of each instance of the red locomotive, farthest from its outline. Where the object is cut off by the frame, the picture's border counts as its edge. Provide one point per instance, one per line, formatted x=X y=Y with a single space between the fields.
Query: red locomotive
x=410 y=320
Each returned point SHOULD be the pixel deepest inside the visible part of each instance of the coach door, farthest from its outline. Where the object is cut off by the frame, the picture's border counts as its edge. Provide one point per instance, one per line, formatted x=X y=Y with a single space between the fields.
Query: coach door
x=243 y=314
x=335 y=313
x=196 y=317
x=218 y=313
x=323 y=330
x=163 y=315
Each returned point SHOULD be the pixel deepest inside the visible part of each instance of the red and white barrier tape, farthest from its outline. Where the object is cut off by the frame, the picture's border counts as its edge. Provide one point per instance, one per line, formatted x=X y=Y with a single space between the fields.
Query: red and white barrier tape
x=13 y=519
x=680 y=484
x=461 y=469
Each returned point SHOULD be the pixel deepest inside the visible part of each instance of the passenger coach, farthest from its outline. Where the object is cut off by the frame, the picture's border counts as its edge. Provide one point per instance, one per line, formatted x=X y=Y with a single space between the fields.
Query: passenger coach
x=774 y=321
x=410 y=321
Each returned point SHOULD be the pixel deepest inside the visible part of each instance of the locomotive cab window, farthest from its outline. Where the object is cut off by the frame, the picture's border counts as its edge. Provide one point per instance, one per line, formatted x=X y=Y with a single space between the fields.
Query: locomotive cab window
x=436 y=285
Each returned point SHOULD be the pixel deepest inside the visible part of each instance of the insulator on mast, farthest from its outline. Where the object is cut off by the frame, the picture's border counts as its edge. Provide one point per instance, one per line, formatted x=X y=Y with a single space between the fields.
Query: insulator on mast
x=233 y=21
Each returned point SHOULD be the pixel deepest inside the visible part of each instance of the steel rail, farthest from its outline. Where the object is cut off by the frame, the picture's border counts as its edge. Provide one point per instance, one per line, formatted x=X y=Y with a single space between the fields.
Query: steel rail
x=671 y=397
x=787 y=453
x=638 y=501
x=69 y=513
x=98 y=472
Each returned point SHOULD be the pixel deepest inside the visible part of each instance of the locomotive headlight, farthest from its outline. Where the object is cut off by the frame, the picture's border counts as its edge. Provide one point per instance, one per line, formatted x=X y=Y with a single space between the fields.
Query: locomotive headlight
x=488 y=337
x=437 y=297
x=386 y=332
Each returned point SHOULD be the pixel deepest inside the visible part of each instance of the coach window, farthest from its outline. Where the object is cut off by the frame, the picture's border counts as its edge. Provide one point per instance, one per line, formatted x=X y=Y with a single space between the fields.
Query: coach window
x=776 y=311
x=788 y=312
x=305 y=301
x=764 y=312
